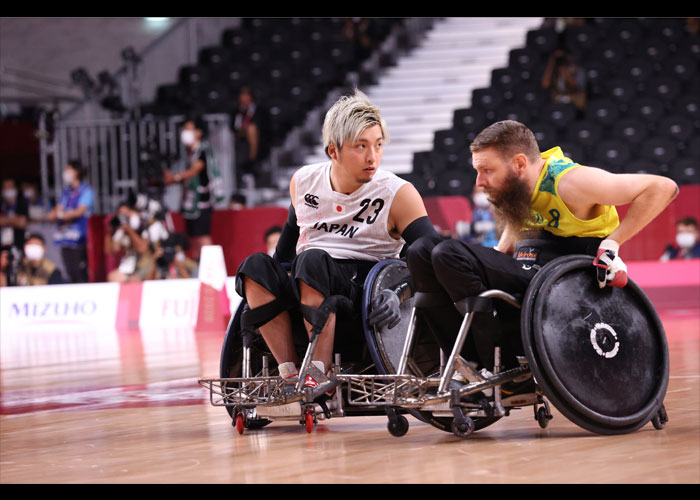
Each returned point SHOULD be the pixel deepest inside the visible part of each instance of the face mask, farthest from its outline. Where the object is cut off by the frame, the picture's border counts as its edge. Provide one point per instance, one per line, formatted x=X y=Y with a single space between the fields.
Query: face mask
x=9 y=194
x=180 y=256
x=481 y=200
x=28 y=193
x=68 y=177
x=34 y=252
x=187 y=137
x=685 y=240
x=134 y=221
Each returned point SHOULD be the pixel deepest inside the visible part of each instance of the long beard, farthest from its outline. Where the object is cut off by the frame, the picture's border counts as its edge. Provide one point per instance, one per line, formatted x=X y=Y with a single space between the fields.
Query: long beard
x=512 y=203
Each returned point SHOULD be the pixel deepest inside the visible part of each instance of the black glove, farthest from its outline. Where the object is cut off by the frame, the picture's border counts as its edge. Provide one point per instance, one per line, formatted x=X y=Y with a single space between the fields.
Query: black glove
x=385 y=310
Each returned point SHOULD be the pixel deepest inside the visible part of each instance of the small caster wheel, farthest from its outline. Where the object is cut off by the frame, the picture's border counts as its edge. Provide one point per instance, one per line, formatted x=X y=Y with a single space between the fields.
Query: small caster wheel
x=463 y=429
x=659 y=420
x=239 y=423
x=543 y=417
x=309 y=422
x=398 y=426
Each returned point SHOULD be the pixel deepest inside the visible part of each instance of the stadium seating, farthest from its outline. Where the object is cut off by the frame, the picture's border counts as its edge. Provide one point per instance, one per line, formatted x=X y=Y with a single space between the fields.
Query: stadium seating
x=642 y=112
x=291 y=63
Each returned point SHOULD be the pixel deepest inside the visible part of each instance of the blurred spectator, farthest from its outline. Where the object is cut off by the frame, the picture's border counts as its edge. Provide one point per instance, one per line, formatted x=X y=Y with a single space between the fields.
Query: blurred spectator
x=35 y=268
x=482 y=230
x=272 y=235
x=171 y=260
x=565 y=80
x=693 y=25
x=37 y=207
x=71 y=213
x=357 y=31
x=202 y=184
x=13 y=216
x=237 y=202
x=139 y=238
x=247 y=131
x=687 y=244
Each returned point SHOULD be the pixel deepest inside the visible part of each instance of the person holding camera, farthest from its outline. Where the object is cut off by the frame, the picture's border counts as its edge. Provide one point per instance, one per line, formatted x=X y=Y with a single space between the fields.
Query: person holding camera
x=139 y=238
x=171 y=260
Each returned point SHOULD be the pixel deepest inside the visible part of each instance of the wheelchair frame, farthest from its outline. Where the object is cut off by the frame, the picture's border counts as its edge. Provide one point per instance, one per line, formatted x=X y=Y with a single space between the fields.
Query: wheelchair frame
x=256 y=399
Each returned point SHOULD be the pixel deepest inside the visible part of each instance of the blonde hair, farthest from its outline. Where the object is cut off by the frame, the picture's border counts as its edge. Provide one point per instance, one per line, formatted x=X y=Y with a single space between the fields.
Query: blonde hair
x=348 y=118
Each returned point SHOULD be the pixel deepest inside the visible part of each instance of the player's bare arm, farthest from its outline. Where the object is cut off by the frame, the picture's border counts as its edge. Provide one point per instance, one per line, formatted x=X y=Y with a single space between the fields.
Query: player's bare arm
x=407 y=207
x=585 y=189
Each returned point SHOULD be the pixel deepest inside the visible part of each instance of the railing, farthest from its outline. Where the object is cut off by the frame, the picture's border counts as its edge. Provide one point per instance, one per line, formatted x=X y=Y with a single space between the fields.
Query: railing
x=123 y=154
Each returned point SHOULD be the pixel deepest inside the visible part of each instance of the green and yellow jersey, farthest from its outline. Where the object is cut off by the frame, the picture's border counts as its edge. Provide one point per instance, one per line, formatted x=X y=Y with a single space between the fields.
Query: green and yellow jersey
x=551 y=213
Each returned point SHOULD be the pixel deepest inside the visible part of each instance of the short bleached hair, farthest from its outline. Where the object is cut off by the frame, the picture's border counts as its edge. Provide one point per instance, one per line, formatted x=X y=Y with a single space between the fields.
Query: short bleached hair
x=348 y=118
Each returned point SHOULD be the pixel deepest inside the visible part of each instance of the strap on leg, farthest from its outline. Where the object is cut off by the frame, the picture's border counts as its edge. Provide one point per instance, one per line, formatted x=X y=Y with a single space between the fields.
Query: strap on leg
x=252 y=319
x=318 y=316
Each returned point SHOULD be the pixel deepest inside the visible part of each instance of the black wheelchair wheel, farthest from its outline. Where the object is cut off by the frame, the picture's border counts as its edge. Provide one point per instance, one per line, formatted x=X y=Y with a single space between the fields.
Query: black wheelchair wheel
x=599 y=355
x=386 y=345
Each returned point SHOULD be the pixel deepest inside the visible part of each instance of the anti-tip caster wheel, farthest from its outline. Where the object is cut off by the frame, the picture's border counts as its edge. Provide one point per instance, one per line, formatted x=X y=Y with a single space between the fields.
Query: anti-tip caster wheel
x=398 y=426
x=463 y=429
x=309 y=421
x=660 y=418
x=239 y=423
x=543 y=417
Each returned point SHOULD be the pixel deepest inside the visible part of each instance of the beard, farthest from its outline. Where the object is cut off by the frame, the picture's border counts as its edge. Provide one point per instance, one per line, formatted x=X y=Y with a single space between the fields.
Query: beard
x=512 y=203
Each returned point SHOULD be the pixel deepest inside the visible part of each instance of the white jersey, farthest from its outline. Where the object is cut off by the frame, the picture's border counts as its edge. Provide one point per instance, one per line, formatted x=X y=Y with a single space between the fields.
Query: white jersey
x=347 y=226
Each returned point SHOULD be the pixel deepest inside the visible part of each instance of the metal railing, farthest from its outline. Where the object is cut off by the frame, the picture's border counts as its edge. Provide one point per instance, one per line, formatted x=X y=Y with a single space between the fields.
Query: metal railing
x=119 y=153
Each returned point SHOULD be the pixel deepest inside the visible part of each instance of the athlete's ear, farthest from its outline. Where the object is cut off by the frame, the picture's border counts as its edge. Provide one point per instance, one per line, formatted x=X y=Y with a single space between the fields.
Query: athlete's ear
x=333 y=151
x=520 y=161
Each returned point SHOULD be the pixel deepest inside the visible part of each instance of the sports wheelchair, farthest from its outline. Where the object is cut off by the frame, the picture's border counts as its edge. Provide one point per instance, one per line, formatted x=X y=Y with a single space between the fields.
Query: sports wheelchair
x=598 y=355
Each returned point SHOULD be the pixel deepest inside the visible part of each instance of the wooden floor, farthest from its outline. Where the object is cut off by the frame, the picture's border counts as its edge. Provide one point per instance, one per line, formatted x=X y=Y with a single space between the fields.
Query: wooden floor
x=108 y=407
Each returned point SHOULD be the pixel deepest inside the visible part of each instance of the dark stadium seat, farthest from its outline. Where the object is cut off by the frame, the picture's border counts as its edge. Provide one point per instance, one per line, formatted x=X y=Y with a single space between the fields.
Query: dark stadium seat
x=612 y=155
x=681 y=66
x=573 y=151
x=545 y=134
x=621 y=90
x=632 y=130
x=584 y=132
x=675 y=127
x=455 y=182
x=558 y=114
x=487 y=100
x=664 y=87
x=654 y=49
x=637 y=70
x=514 y=112
x=449 y=140
x=660 y=150
x=628 y=32
x=543 y=40
x=468 y=120
x=580 y=39
x=686 y=171
x=603 y=111
x=649 y=109
x=608 y=52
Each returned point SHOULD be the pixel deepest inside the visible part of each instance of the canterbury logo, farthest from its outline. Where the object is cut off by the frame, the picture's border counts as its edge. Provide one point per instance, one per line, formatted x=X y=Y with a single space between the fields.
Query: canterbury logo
x=311 y=200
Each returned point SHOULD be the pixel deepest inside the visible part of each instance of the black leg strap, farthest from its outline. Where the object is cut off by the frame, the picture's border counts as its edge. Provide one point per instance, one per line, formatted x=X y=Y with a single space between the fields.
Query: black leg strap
x=318 y=316
x=252 y=319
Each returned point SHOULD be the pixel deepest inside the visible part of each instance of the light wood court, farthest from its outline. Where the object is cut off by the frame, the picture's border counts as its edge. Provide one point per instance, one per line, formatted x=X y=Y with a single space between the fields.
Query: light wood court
x=108 y=407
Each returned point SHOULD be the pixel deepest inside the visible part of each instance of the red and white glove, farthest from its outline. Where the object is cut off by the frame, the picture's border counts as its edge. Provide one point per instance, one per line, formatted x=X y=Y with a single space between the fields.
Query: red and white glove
x=611 y=270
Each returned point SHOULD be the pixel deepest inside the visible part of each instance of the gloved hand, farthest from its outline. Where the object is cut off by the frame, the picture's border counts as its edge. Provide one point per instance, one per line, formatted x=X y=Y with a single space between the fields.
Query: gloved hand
x=385 y=310
x=611 y=270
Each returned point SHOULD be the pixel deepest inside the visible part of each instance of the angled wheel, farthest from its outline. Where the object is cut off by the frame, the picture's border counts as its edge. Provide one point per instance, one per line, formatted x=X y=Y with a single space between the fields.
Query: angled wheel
x=599 y=355
x=386 y=344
